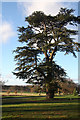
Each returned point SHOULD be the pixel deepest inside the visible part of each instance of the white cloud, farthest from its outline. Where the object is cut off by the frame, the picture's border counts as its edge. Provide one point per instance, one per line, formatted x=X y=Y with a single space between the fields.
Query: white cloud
x=9 y=76
x=6 y=32
x=75 y=80
x=10 y=79
x=42 y=5
x=46 y=7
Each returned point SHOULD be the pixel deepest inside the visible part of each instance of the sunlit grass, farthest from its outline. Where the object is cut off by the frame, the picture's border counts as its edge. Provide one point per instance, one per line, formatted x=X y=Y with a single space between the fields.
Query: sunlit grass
x=39 y=104
x=37 y=107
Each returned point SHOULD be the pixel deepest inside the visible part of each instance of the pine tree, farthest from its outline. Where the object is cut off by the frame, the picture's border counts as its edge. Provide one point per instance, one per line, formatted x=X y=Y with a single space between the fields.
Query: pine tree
x=43 y=37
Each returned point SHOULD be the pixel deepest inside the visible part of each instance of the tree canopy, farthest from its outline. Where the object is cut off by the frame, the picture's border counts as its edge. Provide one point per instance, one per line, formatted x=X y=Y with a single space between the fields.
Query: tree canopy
x=42 y=38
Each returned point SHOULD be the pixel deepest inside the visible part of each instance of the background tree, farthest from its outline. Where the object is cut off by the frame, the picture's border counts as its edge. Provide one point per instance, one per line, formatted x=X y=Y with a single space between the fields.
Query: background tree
x=68 y=86
x=43 y=37
x=78 y=89
x=75 y=92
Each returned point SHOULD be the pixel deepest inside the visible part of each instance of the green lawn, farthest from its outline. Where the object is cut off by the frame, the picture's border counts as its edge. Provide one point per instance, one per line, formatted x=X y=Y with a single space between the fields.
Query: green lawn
x=37 y=107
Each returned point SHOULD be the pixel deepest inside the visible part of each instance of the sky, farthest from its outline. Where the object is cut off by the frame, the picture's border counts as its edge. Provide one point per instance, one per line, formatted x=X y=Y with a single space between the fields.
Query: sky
x=12 y=16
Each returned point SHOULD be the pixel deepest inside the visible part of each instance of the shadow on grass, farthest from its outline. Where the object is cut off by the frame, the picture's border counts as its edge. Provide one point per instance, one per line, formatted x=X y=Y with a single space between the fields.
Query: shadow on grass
x=32 y=99
x=26 y=110
x=40 y=109
x=20 y=97
x=40 y=118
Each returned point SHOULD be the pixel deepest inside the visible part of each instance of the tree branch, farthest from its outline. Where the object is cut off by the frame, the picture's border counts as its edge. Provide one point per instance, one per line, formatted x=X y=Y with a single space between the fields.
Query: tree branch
x=40 y=71
x=45 y=53
x=53 y=53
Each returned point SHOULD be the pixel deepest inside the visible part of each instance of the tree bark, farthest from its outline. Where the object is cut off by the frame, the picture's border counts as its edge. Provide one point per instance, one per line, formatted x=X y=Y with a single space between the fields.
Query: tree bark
x=49 y=91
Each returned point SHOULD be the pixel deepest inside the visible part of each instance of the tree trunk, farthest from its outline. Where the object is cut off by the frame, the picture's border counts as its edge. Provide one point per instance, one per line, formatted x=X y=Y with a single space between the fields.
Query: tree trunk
x=49 y=91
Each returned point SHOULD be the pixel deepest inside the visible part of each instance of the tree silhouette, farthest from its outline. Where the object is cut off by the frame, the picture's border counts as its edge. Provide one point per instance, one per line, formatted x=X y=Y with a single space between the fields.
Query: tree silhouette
x=43 y=37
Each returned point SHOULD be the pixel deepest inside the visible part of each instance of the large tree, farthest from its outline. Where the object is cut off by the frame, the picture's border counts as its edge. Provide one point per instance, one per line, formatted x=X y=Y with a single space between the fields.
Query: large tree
x=43 y=37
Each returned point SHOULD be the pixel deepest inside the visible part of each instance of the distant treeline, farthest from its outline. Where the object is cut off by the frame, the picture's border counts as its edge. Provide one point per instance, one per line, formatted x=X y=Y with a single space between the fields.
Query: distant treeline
x=66 y=88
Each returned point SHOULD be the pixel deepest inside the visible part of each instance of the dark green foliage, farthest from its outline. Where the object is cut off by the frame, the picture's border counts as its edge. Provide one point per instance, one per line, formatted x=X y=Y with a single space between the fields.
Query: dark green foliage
x=45 y=35
x=75 y=92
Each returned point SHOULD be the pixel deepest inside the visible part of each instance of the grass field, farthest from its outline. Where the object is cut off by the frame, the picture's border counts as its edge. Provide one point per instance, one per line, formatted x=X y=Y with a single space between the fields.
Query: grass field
x=37 y=107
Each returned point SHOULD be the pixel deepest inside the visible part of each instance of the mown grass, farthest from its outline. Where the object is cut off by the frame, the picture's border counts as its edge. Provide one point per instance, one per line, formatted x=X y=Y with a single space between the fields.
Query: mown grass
x=37 y=107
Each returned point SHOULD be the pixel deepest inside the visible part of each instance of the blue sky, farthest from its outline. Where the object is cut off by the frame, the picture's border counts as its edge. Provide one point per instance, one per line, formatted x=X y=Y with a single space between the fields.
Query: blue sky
x=13 y=16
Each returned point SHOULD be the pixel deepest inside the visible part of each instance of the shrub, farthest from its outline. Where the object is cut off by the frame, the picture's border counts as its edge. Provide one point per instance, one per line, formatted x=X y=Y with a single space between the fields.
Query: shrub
x=75 y=92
